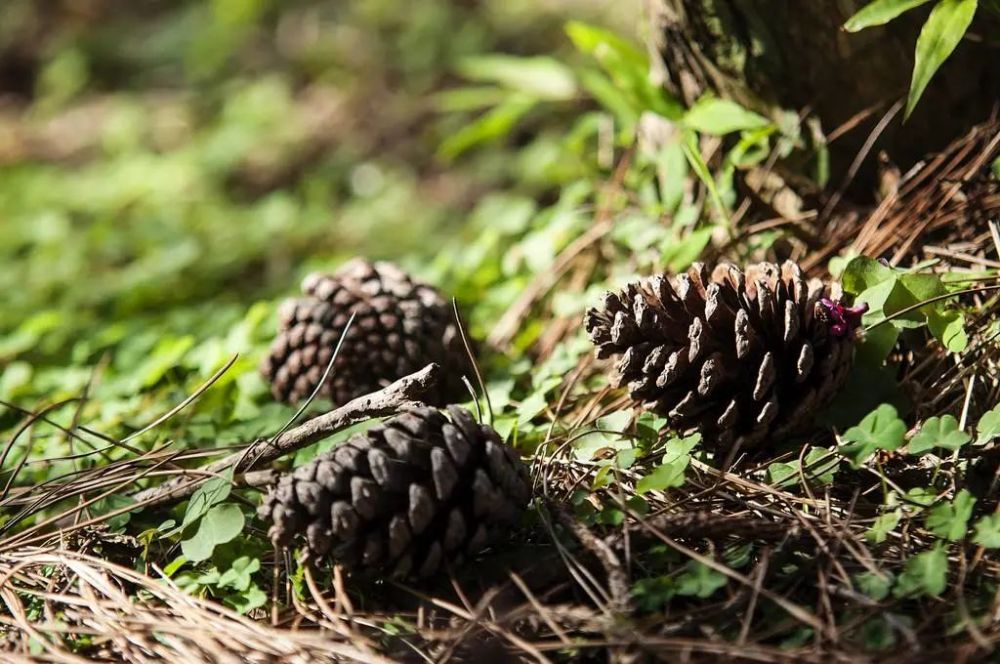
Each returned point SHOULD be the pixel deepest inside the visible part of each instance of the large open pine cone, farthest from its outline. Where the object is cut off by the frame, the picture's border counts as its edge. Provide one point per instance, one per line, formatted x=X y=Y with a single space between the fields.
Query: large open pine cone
x=404 y=497
x=746 y=358
x=401 y=325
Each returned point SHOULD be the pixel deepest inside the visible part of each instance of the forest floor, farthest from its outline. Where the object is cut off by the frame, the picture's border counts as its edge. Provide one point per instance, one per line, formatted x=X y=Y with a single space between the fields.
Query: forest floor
x=168 y=175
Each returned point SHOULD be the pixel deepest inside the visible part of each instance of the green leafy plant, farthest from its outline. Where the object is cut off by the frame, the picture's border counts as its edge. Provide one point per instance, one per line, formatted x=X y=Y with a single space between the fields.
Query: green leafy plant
x=938 y=432
x=883 y=525
x=949 y=520
x=882 y=429
x=942 y=32
x=899 y=300
x=988 y=532
x=819 y=466
x=230 y=578
x=208 y=521
x=670 y=472
x=988 y=427
x=874 y=584
x=621 y=85
x=924 y=574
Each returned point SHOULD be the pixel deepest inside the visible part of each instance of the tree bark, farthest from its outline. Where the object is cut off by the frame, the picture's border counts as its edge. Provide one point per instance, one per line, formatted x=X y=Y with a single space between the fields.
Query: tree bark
x=793 y=54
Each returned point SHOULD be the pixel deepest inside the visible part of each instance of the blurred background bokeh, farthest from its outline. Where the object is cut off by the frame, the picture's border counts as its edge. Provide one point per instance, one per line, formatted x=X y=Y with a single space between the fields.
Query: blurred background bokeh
x=170 y=169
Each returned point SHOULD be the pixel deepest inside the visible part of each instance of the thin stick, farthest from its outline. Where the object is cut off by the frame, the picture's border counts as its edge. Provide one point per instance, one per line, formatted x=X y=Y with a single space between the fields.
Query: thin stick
x=386 y=401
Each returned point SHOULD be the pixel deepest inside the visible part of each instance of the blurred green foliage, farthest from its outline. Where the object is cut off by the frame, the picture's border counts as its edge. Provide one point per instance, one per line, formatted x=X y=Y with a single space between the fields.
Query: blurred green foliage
x=170 y=171
x=156 y=190
x=164 y=166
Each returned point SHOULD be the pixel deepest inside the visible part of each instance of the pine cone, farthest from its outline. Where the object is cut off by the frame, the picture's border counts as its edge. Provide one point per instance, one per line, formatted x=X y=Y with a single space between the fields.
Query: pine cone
x=404 y=497
x=401 y=325
x=744 y=358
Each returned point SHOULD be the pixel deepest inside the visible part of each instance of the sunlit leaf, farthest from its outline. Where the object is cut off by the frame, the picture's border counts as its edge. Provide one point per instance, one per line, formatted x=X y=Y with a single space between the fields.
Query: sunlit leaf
x=219 y=525
x=212 y=492
x=711 y=115
x=665 y=476
x=880 y=12
x=862 y=273
x=671 y=471
x=988 y=427
x=949 y=328
x=541 y=76
x=239 y=576
x=882 y=429
x=938 y=432
x=627 y=66
x=679 y=255
x=491 y=126
x=940 y=35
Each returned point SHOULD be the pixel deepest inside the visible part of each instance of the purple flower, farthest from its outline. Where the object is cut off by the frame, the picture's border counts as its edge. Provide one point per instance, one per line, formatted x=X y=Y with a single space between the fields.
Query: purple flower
x=842 y=320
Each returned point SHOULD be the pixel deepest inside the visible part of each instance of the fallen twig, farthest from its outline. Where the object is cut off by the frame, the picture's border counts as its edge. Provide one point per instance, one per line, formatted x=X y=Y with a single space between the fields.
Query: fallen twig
x=386 y=401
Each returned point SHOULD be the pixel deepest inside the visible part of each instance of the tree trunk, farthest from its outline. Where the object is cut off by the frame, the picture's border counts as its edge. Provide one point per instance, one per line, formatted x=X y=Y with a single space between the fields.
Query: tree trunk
x=793 y=54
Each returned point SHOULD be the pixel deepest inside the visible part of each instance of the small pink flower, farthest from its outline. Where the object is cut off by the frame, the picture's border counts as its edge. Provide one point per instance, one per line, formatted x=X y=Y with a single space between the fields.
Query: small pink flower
x=842 y=320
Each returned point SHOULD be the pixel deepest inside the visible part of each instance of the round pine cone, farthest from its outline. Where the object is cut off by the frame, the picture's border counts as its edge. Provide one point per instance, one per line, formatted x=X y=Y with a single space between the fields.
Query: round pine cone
x=746 y=358
x=404 y=497
x=401 y=325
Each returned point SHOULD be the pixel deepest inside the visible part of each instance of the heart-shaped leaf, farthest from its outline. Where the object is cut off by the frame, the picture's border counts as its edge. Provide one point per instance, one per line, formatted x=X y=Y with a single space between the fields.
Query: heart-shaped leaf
x=988 y=427
x=938 y=432
x=219 y=525
x=881 y=429
x=950 y=520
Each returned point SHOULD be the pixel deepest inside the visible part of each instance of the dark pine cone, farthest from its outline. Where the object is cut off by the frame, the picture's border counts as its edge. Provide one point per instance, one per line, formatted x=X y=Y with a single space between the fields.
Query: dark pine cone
x=401 y=326
x=405 y=497
x=745 y=358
